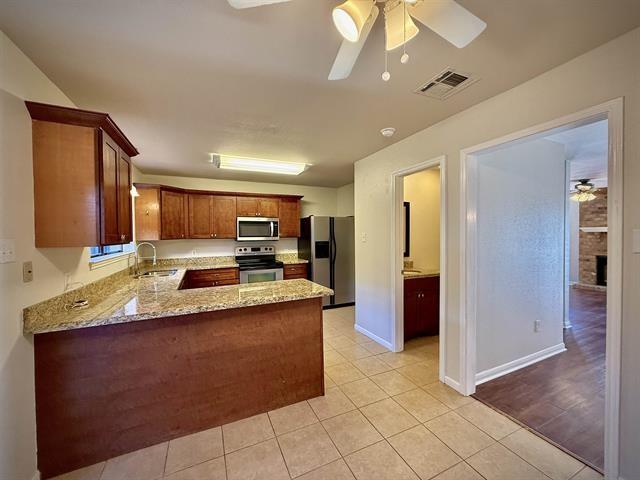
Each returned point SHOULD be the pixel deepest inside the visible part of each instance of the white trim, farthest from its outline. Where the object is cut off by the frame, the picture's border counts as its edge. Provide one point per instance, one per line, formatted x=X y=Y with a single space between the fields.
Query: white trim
x=397 y=280
x=613 y=111
x=453 y=384
x=594 y=229
x=500 y=370
x=107 y=260
x=373 y=337
x=36 y=476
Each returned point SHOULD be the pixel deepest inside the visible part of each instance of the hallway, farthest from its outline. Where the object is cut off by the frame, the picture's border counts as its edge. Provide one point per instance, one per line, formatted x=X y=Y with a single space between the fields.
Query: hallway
x=562 y=397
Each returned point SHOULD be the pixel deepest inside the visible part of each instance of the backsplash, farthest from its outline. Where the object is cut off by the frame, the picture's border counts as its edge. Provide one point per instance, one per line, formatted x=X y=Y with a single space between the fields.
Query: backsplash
x=213 y=248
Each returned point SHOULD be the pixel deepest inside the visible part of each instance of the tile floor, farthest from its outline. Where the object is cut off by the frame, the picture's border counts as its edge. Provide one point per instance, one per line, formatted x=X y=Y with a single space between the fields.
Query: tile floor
x=384 y=416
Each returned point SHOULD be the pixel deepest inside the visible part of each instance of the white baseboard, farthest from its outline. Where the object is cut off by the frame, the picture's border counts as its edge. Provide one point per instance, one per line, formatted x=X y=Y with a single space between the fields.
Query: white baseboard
x=453 y=384
x=495 y=372
x=373 y=337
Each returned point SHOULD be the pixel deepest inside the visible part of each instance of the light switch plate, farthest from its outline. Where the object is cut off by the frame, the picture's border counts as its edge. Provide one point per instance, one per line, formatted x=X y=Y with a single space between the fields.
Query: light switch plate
x=636 y=240
x=7 y=250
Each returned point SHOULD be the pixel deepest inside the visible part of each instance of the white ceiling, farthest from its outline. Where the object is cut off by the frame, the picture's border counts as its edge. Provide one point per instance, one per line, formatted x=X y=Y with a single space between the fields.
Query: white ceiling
x=586 y=148
x=184 y=78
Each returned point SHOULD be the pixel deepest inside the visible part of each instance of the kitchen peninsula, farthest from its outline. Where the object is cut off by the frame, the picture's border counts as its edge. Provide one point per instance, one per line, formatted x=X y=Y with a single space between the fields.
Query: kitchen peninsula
x=146 y=362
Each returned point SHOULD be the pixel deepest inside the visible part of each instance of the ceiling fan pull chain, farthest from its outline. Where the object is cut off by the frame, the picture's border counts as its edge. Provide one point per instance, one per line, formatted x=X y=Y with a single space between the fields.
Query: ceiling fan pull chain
x=386 y=75
x=405 y=56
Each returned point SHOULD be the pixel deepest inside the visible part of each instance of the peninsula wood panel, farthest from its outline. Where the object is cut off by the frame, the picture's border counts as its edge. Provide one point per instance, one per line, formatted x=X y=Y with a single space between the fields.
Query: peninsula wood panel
x=65 y=185
x=148 y=214
x=105 y=391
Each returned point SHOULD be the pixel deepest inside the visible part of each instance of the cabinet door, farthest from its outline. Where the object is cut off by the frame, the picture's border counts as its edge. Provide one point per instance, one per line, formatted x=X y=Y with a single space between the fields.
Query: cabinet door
x=148 y=214
x=124 y=199
x=110 y=228
x=224 y=217
x=411 y=306
x=173 y=215
x=200 y=216
x=247 y=206
x=289 y=217
x=268 y=207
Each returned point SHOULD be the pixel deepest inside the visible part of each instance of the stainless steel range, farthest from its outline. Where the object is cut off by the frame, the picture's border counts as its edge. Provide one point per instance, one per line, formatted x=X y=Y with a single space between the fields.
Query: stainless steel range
x=258 y=264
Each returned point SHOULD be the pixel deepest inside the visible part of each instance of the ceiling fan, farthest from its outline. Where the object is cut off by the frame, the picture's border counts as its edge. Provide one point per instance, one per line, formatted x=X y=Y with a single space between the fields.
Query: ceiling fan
x=354 y=20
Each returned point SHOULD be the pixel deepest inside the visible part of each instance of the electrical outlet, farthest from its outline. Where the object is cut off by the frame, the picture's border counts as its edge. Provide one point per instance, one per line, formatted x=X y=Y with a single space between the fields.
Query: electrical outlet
x=7 y=251
x=27 y=272
x=636 y=240
x=536 y=326
x=194 y=252
x=363 y=237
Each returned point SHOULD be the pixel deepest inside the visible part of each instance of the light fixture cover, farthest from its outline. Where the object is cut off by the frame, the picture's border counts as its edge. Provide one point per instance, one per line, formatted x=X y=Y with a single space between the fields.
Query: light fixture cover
x=247 y=164
x=397 y=20
x=350 y=18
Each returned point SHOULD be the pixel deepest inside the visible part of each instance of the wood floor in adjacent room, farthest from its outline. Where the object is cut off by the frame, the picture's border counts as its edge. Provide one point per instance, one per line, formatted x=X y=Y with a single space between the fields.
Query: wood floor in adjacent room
x=562 y=397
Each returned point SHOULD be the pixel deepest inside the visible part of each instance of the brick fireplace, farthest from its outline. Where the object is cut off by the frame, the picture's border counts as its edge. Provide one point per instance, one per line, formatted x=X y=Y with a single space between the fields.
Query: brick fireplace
x=593 y=245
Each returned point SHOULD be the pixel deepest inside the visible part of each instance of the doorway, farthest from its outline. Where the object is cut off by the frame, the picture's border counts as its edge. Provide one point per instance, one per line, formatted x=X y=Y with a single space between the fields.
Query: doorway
x=423 y=264
x=539 y=319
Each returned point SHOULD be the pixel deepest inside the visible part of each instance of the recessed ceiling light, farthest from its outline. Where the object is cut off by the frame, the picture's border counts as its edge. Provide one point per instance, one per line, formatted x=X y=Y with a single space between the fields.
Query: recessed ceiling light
x=388 y=132
x=246 y=164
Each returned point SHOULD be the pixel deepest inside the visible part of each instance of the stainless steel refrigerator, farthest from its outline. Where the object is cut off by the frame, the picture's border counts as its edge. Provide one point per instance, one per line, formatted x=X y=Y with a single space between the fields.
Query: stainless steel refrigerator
x=328 y=244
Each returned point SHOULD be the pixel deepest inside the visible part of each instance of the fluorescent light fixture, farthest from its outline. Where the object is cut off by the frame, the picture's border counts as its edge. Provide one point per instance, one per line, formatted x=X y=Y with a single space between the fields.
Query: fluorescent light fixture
x=246 y=164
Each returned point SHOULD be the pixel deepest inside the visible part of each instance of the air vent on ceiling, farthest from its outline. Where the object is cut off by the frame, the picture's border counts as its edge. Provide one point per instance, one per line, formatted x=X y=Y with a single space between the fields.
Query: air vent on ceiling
x=446 y=83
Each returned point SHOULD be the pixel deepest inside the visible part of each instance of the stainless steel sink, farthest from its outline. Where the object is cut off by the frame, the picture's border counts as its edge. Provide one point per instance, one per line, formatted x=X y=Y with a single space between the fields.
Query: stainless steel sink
x=157 y=273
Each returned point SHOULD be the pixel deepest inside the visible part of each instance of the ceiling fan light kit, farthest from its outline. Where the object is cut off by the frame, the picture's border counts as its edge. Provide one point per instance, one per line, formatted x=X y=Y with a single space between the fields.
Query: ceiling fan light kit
x=354 y=20
x=350 y=18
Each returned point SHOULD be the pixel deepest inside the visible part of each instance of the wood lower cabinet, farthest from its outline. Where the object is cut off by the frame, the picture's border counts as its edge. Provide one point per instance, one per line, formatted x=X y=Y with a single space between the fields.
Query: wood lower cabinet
x=421 y=306
x=296 y=270
x=289 y=218
x=258 y=207
x=215 y=277
x=82 y=178
x=173 y=215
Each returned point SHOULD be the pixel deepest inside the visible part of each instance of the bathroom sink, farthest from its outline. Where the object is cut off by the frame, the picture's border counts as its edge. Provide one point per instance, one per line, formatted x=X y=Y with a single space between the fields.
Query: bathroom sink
x=157 y=273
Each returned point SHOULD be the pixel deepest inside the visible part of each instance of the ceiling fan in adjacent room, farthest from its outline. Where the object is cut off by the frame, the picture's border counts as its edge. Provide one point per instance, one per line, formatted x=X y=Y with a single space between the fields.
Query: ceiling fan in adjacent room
x=354 y=20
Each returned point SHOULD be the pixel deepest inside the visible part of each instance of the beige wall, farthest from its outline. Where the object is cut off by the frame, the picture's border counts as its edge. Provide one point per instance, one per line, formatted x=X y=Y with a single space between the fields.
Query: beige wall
x=345 y=201
x=422 y=191
x=20 y=79
x=568 y=88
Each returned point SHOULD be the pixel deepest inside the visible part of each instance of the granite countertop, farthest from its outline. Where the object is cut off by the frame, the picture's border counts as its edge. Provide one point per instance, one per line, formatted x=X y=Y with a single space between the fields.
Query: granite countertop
x=124 y=299
x=419 y=274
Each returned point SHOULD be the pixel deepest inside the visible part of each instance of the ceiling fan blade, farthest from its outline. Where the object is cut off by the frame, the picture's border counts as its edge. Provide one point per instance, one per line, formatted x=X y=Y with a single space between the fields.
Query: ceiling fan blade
x=349 y=51
x=448 y=19
x=239 y=4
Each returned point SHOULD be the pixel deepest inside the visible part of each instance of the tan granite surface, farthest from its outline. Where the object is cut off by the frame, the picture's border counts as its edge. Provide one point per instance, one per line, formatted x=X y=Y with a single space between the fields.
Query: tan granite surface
x=195 y=263
x=416 y=274
x=290 y=258
x=123 y=298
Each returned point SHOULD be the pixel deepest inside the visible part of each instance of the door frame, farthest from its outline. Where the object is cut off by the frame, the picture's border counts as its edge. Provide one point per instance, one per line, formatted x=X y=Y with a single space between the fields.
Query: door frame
x=397 y=259
x=612 y=111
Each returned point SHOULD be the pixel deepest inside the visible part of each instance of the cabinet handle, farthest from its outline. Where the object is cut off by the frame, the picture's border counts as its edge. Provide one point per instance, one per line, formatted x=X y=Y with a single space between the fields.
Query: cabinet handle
x=215 y=235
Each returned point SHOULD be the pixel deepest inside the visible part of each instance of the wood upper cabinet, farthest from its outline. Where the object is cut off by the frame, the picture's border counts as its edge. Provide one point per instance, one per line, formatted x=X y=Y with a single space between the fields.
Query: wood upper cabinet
x=224 y=216
x=258 y=207
x=200 y=215
x=82 y=178
x=289 y=217
x=173 y=215
x=148 y=213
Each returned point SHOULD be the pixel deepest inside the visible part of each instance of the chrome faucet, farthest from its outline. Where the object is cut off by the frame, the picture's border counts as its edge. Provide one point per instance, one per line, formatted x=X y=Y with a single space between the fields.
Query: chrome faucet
x=138 y=257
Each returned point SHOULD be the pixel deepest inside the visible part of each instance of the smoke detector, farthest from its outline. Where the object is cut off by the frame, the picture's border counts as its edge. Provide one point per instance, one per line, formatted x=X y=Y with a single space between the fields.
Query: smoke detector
x=388 y=132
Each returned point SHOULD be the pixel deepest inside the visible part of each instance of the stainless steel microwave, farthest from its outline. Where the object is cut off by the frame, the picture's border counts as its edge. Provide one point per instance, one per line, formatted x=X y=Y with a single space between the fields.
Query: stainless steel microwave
x=257 y=228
